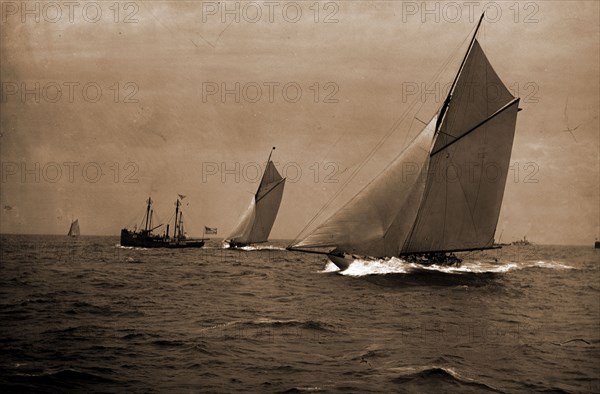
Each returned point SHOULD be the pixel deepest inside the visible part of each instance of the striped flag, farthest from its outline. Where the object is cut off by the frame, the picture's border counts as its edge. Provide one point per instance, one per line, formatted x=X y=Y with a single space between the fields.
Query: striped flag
x=210 y=230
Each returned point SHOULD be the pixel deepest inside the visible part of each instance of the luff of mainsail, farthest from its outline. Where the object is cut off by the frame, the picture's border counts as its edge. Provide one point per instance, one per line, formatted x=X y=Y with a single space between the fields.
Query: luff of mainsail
x=453 y=201
x=74 y=229
x=375 y=223
x=256 y=223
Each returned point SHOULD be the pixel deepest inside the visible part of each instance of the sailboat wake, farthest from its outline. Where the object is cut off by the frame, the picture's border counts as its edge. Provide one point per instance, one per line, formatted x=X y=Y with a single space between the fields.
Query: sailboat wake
x=394 y=265
x=265 y=247
x=250 y=248
x=119 y=246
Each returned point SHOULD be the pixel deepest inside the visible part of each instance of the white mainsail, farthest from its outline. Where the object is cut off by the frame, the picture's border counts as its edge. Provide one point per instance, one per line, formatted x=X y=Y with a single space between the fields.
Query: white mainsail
x=379 y=218
x=453 y=201
x=256 y=223
x=74 y=229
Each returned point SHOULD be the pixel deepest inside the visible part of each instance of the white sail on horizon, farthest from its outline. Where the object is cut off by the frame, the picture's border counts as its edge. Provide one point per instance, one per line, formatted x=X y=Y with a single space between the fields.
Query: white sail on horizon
x=74 y=229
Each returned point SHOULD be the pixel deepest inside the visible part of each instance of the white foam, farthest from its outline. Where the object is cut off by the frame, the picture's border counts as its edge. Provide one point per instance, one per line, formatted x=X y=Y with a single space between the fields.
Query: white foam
x=551 y=265
x=130 y=247
x=473 y=267
x=360 y=267
x=263 y=247
x=394 y=265
x=252 y=248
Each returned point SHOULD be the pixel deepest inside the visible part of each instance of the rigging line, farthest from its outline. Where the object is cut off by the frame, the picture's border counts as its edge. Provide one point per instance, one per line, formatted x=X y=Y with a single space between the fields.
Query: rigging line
x=355 y=171
x=157 y=218
x=143 y=219
x=406 y=137
x=332 y=146
x=381 y=142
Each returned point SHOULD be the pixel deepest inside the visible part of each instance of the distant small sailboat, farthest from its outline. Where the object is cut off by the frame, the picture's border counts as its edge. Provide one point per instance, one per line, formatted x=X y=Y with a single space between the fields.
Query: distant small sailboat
x=256 y=223
x=147 y=239
x=450 y=204
x=74 y=229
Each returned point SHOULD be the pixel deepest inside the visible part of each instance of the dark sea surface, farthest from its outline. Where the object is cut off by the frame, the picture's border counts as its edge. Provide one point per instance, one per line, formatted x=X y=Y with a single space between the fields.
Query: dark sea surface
x=88 y=315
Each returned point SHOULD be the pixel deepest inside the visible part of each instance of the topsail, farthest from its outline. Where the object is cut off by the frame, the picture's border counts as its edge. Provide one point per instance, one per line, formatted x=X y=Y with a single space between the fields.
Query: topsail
x=256 y=223
x=450 y=200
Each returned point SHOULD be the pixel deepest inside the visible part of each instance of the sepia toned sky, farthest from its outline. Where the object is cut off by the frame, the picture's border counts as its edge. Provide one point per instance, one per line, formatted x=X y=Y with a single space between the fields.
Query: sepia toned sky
x=148 y=105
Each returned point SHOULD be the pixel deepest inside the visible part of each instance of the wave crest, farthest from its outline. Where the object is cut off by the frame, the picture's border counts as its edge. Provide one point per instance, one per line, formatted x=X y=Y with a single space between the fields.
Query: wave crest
x=436 y=375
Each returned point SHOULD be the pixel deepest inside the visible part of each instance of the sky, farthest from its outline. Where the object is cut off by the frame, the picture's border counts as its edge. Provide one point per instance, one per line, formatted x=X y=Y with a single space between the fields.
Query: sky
x=103 y=105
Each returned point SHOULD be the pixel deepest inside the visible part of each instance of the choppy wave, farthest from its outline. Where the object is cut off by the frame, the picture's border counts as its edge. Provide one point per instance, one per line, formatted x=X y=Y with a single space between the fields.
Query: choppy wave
x=307 y=389
x=438 y=375
x=114 y=318
x=62 y=378
x=315 y=325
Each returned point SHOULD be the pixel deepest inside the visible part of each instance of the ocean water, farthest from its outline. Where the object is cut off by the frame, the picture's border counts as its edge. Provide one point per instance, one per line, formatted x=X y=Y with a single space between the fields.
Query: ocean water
x=88 y=315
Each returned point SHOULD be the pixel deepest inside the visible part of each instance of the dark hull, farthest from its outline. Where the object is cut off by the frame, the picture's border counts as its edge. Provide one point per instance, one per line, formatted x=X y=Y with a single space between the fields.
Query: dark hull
x=236 y=245
x=130 y=238
x=344 y=261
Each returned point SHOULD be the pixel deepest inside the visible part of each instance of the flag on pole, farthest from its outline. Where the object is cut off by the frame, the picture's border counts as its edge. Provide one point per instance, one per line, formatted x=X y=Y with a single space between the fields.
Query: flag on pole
x=210 y=230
